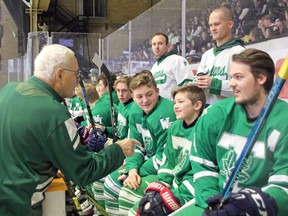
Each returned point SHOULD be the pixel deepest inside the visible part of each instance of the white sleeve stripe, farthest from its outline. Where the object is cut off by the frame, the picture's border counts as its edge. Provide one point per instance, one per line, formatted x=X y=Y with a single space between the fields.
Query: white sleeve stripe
x=205 y=174
x=169 y=171
x=278 y=178
x=155 y=164
x=202 y=161
x=175 y=185
x=189 y=187
x=275 y=186
x=138 y=151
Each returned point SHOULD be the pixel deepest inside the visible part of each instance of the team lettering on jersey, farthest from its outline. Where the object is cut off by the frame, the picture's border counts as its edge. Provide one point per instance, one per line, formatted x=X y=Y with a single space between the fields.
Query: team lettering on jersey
x=165 y=123
x=218 y=72
x=98 y=119
x=160 y=77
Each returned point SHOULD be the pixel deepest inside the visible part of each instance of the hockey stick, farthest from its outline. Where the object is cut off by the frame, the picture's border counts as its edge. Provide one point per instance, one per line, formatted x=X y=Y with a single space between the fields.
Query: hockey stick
x=91 y=119
x=102 y=67
x=256 y=129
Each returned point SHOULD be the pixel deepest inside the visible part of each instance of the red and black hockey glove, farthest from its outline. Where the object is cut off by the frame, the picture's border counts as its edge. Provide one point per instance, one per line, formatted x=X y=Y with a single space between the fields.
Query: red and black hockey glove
x=248 y=201
x=158 y=200
x=83 y=133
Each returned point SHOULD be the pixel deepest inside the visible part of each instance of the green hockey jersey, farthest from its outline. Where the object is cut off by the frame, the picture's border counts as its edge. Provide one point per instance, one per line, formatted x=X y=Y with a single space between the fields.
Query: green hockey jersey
x=175 y=169
x=38 y=137
x=220 y=135
x=124 y=110
x=151 y=131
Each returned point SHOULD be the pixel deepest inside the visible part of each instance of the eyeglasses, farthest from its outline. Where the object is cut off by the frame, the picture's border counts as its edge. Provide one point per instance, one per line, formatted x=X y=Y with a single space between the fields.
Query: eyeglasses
x=77 y=72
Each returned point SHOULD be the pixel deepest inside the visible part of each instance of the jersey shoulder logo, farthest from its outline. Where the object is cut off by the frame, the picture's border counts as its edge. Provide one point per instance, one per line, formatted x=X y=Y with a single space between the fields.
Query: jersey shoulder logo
x=165 y=123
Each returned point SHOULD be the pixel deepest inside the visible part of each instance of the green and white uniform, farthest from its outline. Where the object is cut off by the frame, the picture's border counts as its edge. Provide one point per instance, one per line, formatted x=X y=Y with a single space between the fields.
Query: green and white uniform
x=76 y=107
x=33 y=148
x=102 y=116
x=171 y=71
x=124 y=110
x=151 y=130
x=216 y=62
x=219 y=142
x=175 y=169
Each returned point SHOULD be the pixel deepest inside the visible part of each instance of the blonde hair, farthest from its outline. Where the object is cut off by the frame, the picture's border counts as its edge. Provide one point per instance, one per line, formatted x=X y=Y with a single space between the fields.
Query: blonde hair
x=144 y=78
x=91 y=92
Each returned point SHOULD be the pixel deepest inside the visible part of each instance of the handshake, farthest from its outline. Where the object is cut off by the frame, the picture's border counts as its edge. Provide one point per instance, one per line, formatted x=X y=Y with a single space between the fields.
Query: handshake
x=94 y=138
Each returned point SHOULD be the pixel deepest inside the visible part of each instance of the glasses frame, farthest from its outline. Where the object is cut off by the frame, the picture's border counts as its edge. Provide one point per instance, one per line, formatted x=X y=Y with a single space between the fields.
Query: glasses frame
x=76 y=72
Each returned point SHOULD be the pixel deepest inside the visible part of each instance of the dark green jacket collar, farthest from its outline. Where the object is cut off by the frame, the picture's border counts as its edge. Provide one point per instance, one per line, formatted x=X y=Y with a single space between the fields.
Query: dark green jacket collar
x=165 y=56
x=228 y=44
x=45 y=87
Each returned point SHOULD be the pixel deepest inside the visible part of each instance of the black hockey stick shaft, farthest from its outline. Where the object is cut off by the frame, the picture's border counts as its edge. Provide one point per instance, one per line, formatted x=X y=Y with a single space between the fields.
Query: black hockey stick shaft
x=257 y=128
x=102 y=67
x=91 y=119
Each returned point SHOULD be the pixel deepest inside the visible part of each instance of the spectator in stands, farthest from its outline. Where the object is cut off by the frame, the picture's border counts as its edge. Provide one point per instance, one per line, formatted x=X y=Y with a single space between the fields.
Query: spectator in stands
x=215 y=63
x=268 y=27
x=170 y=70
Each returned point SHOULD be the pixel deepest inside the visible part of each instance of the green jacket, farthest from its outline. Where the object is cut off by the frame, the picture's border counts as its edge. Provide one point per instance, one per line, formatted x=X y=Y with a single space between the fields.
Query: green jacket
x=38 y=137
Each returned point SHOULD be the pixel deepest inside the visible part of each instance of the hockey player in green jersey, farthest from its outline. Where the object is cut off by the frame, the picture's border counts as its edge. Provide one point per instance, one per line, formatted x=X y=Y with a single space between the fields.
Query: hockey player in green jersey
x=103 y=88
x=121 y=86
x=175 y=173
x=215 y=62
x=150 y=117
x=170 y=70
x=220 y=135
x=39 y=137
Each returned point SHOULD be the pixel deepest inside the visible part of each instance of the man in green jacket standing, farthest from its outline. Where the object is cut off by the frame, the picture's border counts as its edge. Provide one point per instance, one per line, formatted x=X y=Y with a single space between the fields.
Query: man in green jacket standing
x=39 y=137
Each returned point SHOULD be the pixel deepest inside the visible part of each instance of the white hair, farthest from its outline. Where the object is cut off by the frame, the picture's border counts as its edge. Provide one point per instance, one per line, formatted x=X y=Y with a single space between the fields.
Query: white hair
x=49 y=57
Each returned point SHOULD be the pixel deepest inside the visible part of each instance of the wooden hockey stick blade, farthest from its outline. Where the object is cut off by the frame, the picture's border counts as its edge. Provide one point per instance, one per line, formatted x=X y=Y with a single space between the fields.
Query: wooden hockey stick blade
x=257 y=128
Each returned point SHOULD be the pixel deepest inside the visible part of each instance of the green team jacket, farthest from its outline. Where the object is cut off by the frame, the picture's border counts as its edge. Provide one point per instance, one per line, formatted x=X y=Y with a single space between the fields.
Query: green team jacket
x=175 y=169
x=124 y=110
x=38 y=137
x=221 y=133
x=151 y=131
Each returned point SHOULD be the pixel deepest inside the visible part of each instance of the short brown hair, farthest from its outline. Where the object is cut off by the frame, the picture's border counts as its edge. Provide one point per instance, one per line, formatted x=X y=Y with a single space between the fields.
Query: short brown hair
x=145 y=77
x=123 y=79
x=260 y=62
x=194 y=94
x=104 y=80
x=91 y=92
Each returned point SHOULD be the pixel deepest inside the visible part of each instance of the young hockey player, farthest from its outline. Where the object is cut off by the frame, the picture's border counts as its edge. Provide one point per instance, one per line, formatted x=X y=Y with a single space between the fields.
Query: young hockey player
x=220 y=135
x=121 y=86
x=174 y=175
x=149 y=120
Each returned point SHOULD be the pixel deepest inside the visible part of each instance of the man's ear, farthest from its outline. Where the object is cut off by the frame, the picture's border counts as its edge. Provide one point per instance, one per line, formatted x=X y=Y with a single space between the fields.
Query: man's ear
x=262 y=78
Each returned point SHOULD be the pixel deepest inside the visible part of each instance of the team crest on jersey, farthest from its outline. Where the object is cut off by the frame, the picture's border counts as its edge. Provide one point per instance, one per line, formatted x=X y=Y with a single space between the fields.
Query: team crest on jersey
x=183 y=156
x=98 y=119
x=228 y=163
x=160 y=77
x=165 y=123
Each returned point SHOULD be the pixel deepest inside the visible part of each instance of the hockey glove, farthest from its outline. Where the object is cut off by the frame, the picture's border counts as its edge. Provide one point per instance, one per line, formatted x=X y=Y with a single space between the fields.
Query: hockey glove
x=158 y=200
x=83 y=133
x=97 y=140
x=248 y=201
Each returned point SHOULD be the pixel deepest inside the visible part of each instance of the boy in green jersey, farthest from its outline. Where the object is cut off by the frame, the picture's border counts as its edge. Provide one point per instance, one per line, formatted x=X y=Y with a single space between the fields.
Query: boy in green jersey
x=150 y=117
x=39 y=137
x=220 y=135
x=175 y=173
